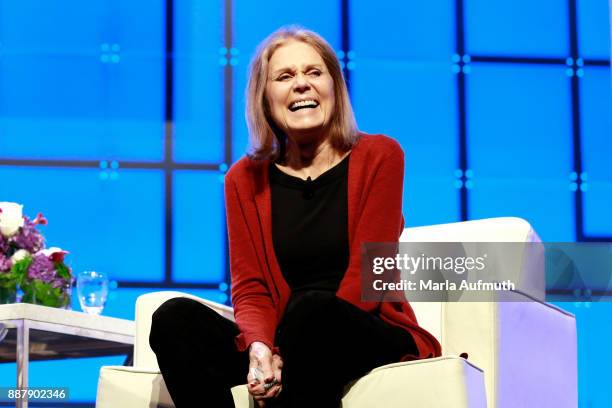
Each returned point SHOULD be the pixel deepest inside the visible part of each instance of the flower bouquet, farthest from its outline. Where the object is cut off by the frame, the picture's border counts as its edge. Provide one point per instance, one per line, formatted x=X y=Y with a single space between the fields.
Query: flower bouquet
x=41 y=273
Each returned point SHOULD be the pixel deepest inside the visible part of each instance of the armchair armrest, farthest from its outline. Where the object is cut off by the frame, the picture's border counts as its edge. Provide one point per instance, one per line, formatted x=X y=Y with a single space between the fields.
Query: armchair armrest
x=526 y=348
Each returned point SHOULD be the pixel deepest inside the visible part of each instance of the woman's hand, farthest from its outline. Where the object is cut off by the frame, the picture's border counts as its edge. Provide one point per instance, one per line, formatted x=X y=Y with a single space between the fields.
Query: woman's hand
x=264 y=377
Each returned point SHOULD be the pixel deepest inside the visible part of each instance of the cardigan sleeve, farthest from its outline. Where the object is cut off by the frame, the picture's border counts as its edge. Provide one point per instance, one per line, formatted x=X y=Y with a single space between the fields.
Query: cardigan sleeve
x=379 y=216
x=253 y=308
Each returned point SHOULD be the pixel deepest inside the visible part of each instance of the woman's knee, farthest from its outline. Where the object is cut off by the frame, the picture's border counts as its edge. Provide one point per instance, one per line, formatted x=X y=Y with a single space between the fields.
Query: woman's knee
x=172 y=319
x=172 y=311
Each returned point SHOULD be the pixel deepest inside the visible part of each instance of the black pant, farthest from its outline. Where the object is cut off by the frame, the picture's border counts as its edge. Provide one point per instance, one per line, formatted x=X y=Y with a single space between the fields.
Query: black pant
x=324 y=341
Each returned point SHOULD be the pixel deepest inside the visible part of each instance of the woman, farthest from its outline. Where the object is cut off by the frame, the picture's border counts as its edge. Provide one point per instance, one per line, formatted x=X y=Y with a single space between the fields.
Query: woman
x=311 y=191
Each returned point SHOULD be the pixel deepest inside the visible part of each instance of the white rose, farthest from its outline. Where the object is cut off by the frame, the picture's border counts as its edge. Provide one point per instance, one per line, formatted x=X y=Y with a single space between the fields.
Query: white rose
x=19 y=255
x=11 y=218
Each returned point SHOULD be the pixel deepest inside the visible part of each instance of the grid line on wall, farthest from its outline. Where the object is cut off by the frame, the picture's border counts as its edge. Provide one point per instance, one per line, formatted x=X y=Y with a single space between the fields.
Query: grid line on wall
x=228 y=93
x=518 y=59
x=462 y=112
x=576 y=132
x=169 y=140
x=345 y=38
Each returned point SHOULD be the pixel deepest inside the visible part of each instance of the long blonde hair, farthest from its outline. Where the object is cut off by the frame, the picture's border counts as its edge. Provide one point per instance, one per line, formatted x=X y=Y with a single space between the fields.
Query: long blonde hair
x=266 y=139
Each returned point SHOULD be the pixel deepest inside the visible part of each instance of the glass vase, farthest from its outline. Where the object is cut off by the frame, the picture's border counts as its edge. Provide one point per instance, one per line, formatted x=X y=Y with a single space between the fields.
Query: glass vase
x=45 y=295
x=8 y=294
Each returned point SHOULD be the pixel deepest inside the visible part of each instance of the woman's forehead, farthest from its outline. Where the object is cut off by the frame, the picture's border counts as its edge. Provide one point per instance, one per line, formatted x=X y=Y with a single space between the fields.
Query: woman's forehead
x=294 y=53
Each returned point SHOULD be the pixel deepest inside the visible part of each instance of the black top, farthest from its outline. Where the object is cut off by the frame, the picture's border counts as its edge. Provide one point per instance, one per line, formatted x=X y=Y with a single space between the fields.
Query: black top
x=310 y=227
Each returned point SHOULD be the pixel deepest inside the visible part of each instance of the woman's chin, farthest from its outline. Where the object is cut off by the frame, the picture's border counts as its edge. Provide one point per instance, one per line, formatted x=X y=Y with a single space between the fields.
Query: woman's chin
x=305 y=129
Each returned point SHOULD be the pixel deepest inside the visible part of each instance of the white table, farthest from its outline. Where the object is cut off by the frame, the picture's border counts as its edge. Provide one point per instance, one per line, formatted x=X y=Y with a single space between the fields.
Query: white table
x=44 y=333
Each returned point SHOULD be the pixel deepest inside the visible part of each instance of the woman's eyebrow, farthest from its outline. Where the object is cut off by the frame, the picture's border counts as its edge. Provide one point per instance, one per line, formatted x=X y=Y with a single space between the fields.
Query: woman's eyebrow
x=310 y=66
x=292 y=68
x=283 y=69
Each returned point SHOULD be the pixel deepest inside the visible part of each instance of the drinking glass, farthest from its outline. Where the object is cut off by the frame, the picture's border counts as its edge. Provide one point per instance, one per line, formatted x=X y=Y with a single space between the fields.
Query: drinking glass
x=92 y=290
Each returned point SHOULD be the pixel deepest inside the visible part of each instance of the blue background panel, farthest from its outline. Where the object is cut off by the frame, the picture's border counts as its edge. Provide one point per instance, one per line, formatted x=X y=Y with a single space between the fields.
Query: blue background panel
x=547 y=204
x=597 y=205
x=519 y=121
x=135 y=114
x=59 y=107
x=32 y=26
x=501 y=27
x=596 y=121
x=594 y=332
x=415 y=103
x=198 y=81
x=249 y=32
x=240 y=139
x=423 y=29
x=198 y=125
x=596 y=116
x=430 y=200
x=73 y=26
x=138 y=29
x=79 y=375
x=54 y=86
x=101 y=222
x=594 y=28
x=58 y=94
x=199 y=227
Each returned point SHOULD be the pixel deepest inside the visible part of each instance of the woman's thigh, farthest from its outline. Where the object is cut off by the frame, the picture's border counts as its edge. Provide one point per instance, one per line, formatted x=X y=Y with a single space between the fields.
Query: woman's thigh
x=320 y=328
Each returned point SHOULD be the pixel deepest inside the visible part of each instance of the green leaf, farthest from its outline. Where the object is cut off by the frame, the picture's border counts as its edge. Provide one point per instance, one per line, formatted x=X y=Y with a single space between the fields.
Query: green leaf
x=62 y=270
x=19 y=271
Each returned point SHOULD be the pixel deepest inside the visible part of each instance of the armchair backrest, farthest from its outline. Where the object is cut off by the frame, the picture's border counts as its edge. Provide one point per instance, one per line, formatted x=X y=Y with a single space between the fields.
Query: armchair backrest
x=526 y=271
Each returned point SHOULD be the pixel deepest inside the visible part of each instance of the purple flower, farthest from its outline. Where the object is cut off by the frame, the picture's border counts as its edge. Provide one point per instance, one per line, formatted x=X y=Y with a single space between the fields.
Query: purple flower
x=29 y=238
x=42 y=269
x=60 y=282
x=5 y=263
x=4 y=245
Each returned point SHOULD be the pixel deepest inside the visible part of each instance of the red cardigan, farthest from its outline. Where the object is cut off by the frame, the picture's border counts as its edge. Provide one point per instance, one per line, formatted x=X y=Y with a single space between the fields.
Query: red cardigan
x=259 y=290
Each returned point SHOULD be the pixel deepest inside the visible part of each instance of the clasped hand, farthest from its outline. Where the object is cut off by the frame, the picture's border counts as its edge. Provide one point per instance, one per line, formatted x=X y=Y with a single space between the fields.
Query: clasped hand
x=264 y=377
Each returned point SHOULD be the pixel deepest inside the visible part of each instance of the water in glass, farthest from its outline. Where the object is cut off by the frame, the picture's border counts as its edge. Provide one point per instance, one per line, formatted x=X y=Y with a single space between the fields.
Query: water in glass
x=92 y=289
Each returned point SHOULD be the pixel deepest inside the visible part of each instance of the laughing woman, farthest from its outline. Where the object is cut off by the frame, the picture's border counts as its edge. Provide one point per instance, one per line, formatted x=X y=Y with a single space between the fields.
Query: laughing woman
x=311 y=190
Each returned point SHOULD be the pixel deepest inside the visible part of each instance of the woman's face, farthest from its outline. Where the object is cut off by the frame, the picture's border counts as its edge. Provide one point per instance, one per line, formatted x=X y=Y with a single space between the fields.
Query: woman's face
x=299 y=89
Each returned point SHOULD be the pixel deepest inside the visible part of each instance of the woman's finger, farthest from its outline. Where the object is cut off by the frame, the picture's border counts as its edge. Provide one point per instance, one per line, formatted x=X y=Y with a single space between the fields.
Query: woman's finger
x=272 y=392
x=265 y=389
x=257 y=386
x=277 y=366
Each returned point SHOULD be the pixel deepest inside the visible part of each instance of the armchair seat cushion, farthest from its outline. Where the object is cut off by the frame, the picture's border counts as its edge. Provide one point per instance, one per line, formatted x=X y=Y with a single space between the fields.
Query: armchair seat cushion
x=442 y=382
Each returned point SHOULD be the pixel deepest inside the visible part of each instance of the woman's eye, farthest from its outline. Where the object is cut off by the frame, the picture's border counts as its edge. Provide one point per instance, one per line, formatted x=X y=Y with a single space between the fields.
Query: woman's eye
x=284 y=77
x=315 y=73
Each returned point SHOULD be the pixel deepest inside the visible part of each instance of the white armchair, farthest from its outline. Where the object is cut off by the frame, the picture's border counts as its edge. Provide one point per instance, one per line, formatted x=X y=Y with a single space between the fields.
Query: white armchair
x=522 y=353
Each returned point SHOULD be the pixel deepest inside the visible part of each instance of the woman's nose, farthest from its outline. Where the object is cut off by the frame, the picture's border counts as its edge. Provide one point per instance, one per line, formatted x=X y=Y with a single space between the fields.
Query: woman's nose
x=301 y=82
